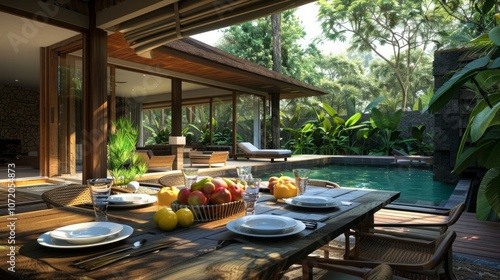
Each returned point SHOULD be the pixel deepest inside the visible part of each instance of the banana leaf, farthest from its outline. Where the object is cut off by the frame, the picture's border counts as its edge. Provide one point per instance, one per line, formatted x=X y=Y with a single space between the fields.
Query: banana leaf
x=446 y=92
x=488 y=196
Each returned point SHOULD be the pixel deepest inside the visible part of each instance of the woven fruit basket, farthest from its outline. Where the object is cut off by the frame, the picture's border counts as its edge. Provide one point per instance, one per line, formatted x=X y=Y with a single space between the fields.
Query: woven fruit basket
x=206 y=213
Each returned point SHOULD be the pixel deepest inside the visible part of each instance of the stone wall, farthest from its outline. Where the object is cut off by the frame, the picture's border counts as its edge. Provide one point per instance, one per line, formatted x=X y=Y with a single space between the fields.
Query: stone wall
x=416 y=118
x=20 y=116
x=451 y=121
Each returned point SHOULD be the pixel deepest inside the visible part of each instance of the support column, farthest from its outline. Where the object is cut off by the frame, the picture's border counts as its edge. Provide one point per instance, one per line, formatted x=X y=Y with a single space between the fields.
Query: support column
x=275 y=120
x=95 y=105
x=177 y=150
x=176 y=107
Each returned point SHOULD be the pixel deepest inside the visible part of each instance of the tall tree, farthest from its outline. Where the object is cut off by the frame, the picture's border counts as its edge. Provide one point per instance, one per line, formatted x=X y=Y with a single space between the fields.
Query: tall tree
x=253 y=42
x=408 y=27
x=474 y=18
x=345 y=79
x=276 y=31
x=422 y=80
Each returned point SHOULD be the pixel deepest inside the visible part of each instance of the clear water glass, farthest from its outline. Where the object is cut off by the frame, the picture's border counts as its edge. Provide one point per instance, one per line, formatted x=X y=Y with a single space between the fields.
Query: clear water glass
x=100 y=190
x=244 y=172
x=301 y=179
x=251 y=194
x=190 y=176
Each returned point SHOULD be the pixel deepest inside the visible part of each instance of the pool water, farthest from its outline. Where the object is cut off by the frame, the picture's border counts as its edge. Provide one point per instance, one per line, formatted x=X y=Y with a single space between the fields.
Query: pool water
x=415 y=184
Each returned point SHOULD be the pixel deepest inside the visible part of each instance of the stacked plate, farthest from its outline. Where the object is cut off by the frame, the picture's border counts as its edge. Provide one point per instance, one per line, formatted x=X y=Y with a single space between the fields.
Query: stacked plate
x=265 y=226
x=85 y=235
x=308 y=201
x=131 y=200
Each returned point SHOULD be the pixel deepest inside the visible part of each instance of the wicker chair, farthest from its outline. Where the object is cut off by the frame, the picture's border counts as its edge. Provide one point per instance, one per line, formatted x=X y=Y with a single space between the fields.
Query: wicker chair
x=408 y=257
x=380 y=272
x=79 y=194
x=67 y=195
x=323 y=183
x=172 y=179
x=421 y=230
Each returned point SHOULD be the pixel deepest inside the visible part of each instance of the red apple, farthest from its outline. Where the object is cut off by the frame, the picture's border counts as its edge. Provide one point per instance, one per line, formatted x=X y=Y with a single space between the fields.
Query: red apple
x=221 y=195
x=208 y=188
x=236 y=192
x=197 y=198
x=219 y=182
x=182 y=196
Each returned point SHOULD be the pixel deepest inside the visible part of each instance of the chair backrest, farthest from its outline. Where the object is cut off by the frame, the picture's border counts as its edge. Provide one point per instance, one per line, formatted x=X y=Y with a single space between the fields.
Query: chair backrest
x=67 y=195
x=247 y=147
x=219 y=156
x=323 y=183
x=454 y=214
x=145 y=155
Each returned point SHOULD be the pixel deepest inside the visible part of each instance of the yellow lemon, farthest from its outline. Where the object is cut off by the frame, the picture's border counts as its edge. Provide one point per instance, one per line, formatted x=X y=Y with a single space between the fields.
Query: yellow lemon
x=185 y=217
x=168 y=220
x=159 y=214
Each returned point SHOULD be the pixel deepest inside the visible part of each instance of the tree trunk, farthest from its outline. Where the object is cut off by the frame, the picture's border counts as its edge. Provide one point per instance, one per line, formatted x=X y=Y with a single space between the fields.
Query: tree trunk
x=275 y=97
x=276 y=29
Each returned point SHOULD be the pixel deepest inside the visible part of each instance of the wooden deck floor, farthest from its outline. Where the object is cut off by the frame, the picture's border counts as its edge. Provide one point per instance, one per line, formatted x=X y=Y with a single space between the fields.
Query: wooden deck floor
x=475 y=239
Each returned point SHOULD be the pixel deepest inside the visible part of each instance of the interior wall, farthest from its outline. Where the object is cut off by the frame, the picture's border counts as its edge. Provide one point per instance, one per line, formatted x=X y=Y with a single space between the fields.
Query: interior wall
x=20 y=116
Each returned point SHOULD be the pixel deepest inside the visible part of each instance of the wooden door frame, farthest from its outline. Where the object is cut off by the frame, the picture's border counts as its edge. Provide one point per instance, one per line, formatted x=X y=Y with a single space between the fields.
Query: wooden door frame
x=49 y=103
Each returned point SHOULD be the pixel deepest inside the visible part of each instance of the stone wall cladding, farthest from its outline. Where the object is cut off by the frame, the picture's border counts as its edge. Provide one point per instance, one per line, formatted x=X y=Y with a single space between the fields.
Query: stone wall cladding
x=20 y=116
x=451 y=121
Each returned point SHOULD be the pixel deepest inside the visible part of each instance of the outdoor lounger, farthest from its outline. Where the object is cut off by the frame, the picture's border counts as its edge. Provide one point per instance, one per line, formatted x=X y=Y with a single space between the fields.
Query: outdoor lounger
x=401 y=156
x=197 y=157
x=250 y=151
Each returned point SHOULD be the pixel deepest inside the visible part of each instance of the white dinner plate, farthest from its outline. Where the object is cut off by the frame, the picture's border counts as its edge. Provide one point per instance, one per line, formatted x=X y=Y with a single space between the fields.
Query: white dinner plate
x=85 y=233
x=310 y=201
x=131 y=200
x=232 y=226
x=47 y=241
x=266 y=224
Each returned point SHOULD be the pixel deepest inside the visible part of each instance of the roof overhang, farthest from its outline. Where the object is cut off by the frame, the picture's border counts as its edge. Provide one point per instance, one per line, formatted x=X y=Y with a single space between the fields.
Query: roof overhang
x=148 y=24
x=194 y=58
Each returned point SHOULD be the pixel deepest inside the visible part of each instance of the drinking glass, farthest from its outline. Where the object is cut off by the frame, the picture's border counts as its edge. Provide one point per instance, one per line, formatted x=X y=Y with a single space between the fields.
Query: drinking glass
x=244 y=172
x=100 y=189
x=251 y=194
x=301 y=179
x=190 y=176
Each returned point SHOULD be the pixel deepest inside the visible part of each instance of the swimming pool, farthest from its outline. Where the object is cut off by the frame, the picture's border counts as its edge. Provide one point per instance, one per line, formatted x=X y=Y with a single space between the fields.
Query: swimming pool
x=415 y=184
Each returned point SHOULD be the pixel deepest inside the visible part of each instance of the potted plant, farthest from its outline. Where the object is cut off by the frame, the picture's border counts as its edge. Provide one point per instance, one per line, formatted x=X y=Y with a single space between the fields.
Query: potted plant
x=482 y=76
x=124 y=164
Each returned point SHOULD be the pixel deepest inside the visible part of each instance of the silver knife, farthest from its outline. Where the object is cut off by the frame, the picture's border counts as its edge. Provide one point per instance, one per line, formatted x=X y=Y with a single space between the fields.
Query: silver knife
x=112 y=259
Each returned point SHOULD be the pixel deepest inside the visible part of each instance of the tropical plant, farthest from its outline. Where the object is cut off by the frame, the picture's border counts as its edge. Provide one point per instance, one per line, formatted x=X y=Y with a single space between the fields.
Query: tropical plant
x=482 y=134
x=385 y=130
x=159 y=134
x=123 y=164
x=420 y=146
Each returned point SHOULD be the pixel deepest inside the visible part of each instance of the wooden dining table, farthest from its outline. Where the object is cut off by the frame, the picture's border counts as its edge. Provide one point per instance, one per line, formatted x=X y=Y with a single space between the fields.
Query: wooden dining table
x=195 y=253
